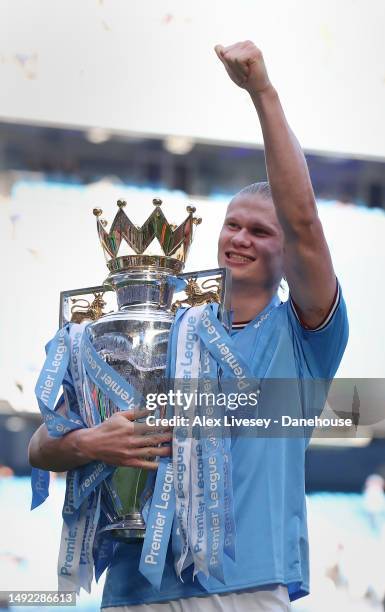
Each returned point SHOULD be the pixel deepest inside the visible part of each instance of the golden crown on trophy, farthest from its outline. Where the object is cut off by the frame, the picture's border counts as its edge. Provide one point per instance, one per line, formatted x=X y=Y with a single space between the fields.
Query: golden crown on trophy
x=174 y=240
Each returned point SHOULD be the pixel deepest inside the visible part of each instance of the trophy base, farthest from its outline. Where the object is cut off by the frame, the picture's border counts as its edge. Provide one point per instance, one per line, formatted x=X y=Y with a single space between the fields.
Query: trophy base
x=131 y=529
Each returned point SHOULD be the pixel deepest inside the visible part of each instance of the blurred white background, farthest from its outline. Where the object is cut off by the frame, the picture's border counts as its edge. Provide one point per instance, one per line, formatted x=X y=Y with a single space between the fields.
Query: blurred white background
x=148 y=67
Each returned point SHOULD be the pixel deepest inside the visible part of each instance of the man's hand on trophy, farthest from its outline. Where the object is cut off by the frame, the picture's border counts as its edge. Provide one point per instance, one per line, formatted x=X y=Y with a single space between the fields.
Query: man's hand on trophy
x=123 y=441
x=245 y=66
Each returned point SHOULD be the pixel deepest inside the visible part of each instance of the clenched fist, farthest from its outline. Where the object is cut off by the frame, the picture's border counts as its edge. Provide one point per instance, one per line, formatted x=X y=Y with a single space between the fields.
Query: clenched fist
x=245 y=66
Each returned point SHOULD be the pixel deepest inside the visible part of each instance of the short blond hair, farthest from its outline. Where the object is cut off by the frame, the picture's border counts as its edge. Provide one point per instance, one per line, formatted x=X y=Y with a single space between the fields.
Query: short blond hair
x=262 y=188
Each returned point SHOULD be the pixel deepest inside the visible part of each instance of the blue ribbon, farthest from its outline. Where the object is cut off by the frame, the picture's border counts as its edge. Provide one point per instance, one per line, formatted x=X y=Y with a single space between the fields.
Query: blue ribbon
x=230 y=529
x=213 y=470
x=103 y=550
x=52 y=376
x=152 y=565
x=218 y=500
x=83 y=481
x=222 y=347
x=118 y=390
x=40 y=486
x=49 y=383
x=88 y=478
x=158 y=526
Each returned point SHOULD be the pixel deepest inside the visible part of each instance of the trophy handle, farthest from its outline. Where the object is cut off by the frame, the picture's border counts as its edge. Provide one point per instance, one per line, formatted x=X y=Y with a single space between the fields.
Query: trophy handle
x=73 y=307
x=218 y=292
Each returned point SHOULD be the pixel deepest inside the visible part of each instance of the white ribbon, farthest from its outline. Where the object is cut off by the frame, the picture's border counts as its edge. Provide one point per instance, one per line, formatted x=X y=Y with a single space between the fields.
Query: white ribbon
x=186 y=375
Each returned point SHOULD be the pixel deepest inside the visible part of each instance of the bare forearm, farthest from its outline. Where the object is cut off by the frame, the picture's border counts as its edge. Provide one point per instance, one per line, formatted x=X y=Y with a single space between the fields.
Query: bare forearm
x=56 y=454
x=121 y=440
x=286 y=165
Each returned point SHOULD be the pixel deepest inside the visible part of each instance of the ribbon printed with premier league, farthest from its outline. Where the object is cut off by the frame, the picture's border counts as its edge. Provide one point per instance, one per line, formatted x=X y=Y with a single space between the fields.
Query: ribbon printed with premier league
x=192 y=496
x=112 y=362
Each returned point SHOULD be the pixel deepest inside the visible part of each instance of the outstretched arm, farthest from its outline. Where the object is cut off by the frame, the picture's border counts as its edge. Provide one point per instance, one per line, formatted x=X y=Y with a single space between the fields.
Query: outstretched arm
x=307 y=262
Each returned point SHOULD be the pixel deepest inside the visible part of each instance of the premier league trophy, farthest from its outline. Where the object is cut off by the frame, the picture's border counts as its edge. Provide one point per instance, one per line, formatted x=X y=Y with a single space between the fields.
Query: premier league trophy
x=133 y=340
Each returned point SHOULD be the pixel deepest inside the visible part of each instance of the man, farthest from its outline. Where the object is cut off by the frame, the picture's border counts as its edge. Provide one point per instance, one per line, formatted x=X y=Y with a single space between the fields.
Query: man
x=270 y=231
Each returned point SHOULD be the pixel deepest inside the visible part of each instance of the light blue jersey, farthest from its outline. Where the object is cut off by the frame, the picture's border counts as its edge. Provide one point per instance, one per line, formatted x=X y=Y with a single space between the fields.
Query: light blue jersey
x=268 y=472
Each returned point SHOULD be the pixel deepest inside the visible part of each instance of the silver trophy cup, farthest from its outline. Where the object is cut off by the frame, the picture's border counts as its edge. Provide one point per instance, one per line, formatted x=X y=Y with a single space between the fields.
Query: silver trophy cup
x=133 y=339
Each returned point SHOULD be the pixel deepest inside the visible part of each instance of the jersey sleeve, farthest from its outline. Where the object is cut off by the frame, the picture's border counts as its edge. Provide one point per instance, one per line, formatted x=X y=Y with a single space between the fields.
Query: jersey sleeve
x=319 y=351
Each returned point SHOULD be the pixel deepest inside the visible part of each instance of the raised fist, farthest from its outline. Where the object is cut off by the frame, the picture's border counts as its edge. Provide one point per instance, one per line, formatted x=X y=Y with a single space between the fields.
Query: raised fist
x=244 y=65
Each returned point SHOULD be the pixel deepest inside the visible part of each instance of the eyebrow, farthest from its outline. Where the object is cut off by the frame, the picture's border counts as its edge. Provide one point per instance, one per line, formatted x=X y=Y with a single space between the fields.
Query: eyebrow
x=254 y=225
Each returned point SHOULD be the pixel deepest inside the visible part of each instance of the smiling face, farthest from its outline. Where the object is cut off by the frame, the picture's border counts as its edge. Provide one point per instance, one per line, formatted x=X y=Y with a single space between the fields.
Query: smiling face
x=251 y=243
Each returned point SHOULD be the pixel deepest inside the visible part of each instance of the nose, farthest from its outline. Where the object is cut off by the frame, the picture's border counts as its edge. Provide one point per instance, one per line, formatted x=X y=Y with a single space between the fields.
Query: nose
x=241 y=238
